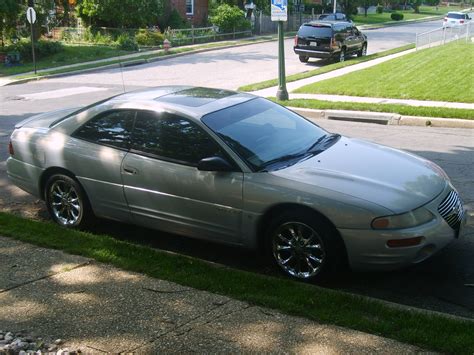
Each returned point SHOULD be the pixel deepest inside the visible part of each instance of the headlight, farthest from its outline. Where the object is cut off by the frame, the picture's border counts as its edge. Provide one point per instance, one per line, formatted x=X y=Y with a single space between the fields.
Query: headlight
x=406 y=220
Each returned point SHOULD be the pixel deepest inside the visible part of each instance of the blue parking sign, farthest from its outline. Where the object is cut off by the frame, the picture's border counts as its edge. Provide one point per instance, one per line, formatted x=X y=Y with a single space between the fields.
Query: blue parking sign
x=279 y=10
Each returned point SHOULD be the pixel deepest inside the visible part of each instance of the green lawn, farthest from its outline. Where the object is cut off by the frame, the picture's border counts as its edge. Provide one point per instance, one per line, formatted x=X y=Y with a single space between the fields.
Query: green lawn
x=444 y=73
x=70 y=55
x=429 y=331
x=425 y=11
x=324 y=69
x=405 y=110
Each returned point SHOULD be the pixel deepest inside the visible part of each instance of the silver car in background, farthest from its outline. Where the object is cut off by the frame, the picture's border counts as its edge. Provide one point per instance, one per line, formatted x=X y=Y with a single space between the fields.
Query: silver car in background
x=237 y=169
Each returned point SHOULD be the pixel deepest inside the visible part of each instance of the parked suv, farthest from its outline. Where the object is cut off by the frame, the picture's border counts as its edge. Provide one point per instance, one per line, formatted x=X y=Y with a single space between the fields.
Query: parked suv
x=329 y=39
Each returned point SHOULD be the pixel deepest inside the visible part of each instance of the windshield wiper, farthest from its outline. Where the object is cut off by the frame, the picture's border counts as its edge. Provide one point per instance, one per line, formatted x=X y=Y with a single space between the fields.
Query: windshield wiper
x=283 y=158
x=323 y=140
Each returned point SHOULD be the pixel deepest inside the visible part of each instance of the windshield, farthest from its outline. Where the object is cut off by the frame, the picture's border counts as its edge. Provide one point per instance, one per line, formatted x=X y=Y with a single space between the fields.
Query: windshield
x=263 y=133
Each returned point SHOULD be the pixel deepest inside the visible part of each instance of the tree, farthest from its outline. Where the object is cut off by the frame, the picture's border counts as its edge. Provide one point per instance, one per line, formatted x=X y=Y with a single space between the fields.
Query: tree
x=365 y=4
x=349 y=7
x=120 y=13
x=9 y=12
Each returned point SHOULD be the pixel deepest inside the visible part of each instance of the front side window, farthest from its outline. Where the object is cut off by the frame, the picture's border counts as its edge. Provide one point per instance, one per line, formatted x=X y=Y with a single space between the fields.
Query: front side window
x=262 y=132
x=170 y=137
x=189 y=7
x=112 y=128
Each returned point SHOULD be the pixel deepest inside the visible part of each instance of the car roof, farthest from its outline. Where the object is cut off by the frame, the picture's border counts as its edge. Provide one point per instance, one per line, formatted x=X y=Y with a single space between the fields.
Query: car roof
x=456 y=13
x=191 y=100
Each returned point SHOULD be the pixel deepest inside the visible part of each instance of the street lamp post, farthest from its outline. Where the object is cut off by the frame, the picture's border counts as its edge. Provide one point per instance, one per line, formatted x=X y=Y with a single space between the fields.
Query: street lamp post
x=335 y=5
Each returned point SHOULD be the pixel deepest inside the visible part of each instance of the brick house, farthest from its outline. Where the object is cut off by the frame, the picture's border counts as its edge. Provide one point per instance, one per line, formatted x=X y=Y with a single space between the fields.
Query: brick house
x=195 y=11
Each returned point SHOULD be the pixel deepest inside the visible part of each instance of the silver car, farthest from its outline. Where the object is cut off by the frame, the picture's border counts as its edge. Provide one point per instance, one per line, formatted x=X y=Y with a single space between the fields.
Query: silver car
x=237 y=169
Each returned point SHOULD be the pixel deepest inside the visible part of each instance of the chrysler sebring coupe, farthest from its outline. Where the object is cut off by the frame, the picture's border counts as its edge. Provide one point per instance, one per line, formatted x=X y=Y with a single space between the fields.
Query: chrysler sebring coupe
x=237 y=169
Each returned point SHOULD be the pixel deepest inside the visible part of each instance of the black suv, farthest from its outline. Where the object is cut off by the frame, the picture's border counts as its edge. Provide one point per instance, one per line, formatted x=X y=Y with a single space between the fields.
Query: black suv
x=329 y=39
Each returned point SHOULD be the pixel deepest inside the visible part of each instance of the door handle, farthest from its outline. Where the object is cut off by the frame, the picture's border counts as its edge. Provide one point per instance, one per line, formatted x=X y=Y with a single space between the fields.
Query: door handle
x=131 y=171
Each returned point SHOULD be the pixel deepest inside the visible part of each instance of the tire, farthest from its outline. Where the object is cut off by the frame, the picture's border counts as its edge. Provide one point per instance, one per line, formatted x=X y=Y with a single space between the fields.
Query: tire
x=304 y=246
x=67 y=202
x=363 y=51
x=304 y=59
x=342 y=55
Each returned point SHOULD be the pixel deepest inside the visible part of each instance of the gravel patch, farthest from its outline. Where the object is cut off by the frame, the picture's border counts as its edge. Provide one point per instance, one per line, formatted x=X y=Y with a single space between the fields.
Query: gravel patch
x=23 y=343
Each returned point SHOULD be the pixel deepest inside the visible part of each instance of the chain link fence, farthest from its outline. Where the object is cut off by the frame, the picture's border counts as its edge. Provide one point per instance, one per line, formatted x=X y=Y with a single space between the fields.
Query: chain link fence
x=445 y=35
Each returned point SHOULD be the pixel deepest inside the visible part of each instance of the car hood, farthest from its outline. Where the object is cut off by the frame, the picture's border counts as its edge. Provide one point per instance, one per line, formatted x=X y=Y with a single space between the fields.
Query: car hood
x=391 y=178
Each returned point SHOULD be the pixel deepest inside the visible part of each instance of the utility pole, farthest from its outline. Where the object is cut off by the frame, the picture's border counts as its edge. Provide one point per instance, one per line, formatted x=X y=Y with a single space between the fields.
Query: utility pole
x=335 y=6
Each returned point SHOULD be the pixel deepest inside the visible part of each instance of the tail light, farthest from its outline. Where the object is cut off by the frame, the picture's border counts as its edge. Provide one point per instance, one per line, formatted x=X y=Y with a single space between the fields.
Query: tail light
x=10 y=148
x=462 y=21
x=296 y=40
x=445 y=19
x=333 y=43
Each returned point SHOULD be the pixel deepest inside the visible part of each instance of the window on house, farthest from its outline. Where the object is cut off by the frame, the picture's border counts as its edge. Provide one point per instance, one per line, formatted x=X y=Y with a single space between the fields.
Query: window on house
x=189 y=7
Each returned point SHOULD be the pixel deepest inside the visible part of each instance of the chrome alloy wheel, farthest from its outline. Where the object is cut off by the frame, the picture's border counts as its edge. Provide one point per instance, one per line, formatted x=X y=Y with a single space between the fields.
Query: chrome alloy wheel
x=66 y=204
x=364 y=50
x=298 y=249
x=342 y=56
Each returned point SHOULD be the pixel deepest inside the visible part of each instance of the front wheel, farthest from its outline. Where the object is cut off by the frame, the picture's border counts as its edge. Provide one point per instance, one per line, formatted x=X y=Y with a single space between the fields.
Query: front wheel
x=363 y=51
x=67 y=202
x=304 y=59
x=304 y=246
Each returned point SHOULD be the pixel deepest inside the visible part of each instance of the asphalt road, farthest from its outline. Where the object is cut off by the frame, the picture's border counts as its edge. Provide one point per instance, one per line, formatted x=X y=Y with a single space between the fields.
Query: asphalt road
x=442 y=283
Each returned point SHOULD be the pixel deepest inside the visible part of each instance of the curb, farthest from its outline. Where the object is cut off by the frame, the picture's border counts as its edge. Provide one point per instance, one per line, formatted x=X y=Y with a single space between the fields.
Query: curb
x=398 y=23
x=383 y=118
x=130 y=63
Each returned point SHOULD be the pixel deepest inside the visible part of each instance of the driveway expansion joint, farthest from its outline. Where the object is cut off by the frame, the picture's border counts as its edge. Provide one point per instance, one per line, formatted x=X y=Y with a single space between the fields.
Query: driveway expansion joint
x=87 y=263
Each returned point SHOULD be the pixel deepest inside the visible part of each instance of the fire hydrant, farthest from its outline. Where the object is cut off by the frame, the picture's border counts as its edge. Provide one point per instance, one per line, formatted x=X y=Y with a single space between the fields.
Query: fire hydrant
x=166 y=45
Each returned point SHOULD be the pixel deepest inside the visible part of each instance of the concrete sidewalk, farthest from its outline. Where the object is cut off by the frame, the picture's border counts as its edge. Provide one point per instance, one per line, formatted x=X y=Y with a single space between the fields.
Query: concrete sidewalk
x=98 y=308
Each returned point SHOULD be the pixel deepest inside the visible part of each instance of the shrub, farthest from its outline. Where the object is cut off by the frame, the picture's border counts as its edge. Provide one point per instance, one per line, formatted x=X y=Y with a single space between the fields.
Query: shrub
x=228 y=17
x=396 y=16
x=149 y=38
x=42 y=49
x=176 y=21
x=379 y=9
x=127 y=43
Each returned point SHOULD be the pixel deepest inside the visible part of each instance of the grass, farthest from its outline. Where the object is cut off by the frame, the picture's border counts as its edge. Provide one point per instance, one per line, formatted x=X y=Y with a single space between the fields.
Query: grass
x=404 y=110
x=430 y=331
x=425 y=11
x=443 y=73
x=325 y=69
x=70 y=55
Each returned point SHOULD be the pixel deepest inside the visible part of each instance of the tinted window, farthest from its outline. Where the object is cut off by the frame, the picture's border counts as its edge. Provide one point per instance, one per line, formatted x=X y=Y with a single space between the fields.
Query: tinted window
x=111 y=128
x=317 y=31
x=456 y=16
x=261 y=131
x=172 y=138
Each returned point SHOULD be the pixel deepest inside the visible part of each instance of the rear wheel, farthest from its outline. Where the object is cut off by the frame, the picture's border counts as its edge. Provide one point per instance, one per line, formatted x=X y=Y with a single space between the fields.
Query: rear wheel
x=67 y=202
x=363 y=51
x=304 y=59
x=304 y=246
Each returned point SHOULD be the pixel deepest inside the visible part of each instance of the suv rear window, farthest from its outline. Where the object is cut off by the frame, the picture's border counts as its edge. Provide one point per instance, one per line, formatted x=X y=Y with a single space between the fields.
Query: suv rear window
x=318 y=31
x=456 y=16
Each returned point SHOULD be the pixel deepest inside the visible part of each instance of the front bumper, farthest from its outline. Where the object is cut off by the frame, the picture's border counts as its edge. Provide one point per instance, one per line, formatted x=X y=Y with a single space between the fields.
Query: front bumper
x=368 y=250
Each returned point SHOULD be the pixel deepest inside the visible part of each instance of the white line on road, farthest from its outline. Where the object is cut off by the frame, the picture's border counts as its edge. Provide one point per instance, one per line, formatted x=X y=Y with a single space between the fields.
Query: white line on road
x=53 y=94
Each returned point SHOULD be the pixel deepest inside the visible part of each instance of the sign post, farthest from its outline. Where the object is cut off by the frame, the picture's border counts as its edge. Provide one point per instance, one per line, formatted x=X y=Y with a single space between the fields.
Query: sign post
x=31 y=17
x=279 y=12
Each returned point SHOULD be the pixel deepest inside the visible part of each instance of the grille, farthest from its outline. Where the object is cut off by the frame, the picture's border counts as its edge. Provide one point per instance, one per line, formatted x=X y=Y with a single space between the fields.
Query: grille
x=451 y=210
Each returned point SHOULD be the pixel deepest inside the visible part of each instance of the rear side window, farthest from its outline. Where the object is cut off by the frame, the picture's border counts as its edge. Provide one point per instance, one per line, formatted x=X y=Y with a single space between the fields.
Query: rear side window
x=170 y=137
x=112 y=128
x=316 y=31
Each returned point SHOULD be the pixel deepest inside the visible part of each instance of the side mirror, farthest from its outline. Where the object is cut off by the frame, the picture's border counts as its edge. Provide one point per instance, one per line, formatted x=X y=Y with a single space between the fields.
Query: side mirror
x=214 y=164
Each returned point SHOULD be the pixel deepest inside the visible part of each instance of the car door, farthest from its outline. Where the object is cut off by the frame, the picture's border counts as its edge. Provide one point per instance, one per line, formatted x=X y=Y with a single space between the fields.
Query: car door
x=164 y=188
x=95 y=153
